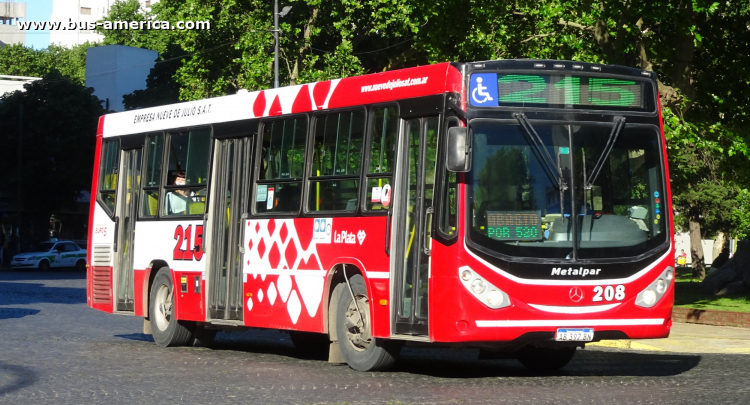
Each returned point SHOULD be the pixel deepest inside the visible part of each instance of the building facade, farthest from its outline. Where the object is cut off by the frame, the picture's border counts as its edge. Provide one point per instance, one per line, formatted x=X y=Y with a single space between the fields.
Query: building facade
x=10 y=14
x=81 y=11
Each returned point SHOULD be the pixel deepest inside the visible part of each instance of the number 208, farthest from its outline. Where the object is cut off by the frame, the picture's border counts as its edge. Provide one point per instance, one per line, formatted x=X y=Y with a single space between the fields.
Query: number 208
x=609 y=293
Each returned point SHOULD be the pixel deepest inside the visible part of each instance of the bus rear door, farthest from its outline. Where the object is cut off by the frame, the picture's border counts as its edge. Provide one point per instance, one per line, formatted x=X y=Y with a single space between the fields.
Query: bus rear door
x=229 y=206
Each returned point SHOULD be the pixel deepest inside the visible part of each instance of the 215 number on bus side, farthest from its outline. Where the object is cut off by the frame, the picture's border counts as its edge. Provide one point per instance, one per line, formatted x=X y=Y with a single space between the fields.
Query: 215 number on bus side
x=185 y=248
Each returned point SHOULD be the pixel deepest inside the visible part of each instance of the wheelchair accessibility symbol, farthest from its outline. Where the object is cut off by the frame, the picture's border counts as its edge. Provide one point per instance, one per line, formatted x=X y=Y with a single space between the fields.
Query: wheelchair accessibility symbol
x=483 y=89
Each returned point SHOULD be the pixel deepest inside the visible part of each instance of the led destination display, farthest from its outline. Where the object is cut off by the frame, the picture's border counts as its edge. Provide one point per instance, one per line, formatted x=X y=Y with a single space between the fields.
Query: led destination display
x=514 y=225
x=558 y=90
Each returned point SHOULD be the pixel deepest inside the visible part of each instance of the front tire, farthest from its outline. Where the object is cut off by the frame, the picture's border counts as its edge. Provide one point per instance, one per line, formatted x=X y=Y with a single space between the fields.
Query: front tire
x=361 y=351
x=545 y=359
x=165 y=327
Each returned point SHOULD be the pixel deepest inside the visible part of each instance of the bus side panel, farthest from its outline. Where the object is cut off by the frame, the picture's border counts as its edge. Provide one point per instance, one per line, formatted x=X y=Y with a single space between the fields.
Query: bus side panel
x=179 y=244
x=140 y=293
x=189 y=299
x=100 y=270
x=286 y=263
x=92 y=206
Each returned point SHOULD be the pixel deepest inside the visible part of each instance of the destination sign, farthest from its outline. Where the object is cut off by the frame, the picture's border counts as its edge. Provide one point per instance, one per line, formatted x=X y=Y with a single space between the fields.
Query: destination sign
x=556 y=90
x=514 y=225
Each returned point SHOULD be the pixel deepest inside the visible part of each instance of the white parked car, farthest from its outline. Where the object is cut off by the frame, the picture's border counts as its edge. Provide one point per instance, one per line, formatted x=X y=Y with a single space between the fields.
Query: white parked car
x=52 y=254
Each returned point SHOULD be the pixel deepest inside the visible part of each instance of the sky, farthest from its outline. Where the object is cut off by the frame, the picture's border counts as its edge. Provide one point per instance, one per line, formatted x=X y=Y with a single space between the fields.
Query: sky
x=37 y=10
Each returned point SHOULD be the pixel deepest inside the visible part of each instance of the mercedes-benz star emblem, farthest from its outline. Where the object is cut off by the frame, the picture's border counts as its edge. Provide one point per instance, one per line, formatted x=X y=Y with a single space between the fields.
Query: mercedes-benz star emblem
x=575 y=294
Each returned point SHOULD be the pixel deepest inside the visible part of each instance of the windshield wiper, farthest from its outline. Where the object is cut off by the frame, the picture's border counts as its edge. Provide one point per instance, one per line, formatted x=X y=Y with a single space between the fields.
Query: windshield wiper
x=529 y=131
x=616 y=129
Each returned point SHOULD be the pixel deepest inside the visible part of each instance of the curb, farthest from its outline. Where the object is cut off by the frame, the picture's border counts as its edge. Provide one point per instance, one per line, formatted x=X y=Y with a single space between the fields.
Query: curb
x=708 y=317
x=625 y=344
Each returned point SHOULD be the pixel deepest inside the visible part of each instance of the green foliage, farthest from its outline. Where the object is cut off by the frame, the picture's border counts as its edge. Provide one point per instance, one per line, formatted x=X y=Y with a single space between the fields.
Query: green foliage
x=59 y=122
x=17 y=60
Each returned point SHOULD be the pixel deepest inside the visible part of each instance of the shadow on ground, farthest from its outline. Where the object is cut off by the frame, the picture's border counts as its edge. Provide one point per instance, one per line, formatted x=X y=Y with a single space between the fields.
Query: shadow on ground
x=450 y=363
x=12 y=293
x=14 y=377
x=11 y=313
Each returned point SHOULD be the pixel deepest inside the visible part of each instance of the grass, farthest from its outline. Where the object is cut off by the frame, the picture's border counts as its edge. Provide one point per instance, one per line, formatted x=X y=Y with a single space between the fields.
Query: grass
x=687 y=296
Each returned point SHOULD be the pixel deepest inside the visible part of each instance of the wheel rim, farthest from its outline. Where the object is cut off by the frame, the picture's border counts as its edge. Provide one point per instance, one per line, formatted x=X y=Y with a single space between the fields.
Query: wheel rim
x=358 y=328
x=163 y=307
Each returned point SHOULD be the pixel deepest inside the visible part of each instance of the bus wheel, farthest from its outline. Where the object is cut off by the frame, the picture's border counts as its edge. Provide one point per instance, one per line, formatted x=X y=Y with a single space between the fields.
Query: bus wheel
x=81 y=266
x=545 y=359
x=165 y=327
x=353 y=328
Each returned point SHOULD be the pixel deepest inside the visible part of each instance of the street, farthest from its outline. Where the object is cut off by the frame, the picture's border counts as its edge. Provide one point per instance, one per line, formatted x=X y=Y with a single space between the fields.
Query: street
x=57 y=350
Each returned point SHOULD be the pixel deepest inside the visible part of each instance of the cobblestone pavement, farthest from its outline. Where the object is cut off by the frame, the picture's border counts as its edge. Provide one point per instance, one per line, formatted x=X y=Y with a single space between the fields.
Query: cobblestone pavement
x=53 y=348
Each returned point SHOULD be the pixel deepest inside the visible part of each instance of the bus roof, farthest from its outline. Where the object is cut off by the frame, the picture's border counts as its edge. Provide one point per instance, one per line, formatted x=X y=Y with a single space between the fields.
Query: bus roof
x=351 y=91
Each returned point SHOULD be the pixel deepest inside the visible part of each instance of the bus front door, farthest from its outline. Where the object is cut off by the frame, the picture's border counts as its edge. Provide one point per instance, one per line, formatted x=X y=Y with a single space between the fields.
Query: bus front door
x=229 y=193
x=412 y=219
x=127 y=205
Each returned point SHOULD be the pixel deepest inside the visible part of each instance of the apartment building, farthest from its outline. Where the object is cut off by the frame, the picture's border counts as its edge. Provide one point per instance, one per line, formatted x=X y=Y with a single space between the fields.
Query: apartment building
x=10 y=14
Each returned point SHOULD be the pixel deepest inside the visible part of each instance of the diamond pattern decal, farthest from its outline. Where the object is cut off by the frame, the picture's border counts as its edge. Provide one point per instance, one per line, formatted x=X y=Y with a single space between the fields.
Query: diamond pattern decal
x=271 y=293
x=294 y=307
x=260 y=295
x=261 y=248
x=283 y=233
x=284 y=284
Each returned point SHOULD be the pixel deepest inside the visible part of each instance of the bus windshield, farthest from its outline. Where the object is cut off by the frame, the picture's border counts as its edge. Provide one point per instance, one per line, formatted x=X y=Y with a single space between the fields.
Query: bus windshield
x=525 y=189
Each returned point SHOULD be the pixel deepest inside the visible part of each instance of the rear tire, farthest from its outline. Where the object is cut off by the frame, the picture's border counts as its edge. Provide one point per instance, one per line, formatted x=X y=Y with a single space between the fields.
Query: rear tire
x=545 y=359
x=361 y=351
x=165 y=327
x=44 y=265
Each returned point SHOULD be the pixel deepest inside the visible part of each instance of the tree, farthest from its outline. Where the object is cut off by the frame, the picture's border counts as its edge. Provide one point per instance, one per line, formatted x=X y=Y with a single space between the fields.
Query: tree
x=18 y=60
x=59 y=126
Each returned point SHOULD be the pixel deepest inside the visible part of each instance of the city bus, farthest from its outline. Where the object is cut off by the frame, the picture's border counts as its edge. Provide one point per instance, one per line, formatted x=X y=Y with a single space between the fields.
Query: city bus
x=521 y=207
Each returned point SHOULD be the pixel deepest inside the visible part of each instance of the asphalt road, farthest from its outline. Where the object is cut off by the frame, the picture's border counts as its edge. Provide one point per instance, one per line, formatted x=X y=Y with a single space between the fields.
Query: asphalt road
x=54 y=349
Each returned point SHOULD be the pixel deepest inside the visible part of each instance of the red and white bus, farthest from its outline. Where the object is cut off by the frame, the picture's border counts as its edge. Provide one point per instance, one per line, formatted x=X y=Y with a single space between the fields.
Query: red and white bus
x=519 y=206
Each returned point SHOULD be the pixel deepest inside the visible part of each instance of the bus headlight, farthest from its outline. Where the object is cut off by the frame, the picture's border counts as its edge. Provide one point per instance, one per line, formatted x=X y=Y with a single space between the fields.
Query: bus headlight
x=653 y=293
x=495 y=298
x=478 y=286
x=482 y=290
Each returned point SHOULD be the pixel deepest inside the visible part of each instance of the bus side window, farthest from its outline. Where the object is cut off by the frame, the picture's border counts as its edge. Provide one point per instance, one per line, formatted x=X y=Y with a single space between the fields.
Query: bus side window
x=336 y=164
x=110 y=163
x=152 y=175
x=279 y=185
x=381 y=156
x=448 y=192
x=188 y=156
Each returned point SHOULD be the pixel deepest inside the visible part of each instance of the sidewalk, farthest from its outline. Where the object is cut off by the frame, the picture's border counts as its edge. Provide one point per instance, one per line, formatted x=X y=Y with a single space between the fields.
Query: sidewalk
x=691 y=338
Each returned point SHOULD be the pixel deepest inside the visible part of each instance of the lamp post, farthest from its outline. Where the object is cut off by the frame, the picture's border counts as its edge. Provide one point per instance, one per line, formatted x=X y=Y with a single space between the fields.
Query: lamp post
x=276 y=15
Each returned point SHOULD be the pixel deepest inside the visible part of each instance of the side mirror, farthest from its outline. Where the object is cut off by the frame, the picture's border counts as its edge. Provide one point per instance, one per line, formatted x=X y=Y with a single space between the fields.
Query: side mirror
x=459 y=149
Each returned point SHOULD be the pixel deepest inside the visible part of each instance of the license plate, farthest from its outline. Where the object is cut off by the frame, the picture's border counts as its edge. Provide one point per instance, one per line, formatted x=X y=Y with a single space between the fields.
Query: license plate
x=574 y=335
